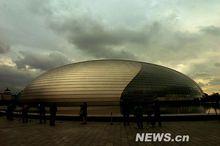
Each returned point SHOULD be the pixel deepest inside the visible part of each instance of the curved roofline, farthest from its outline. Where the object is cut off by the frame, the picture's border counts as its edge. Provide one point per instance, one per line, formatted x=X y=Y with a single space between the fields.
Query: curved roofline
x=135 y=61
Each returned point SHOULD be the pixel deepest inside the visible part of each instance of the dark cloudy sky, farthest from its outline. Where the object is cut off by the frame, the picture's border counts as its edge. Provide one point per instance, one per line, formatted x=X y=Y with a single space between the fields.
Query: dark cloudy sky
x=38 y=35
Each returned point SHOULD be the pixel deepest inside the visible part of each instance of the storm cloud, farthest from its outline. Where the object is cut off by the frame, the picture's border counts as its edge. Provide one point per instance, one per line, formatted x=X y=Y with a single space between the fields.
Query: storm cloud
x=95 y=39
x=41 y=61
x=154 y=42
x=213 y=30
x=217 y=64
x=4 y=48
x=14 y=78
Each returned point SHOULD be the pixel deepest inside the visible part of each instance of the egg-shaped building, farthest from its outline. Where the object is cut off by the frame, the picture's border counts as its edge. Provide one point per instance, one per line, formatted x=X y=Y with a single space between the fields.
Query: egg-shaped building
x=110 y=81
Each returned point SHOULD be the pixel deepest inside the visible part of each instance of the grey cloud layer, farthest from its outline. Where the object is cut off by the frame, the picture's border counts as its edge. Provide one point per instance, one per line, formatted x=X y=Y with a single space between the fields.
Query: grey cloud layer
x=14 y=78
x=94 y=39
x=101 y=41
x=152 y=42
x=41 y=61
x=4 y=48
x=18 y=76
x=217 y=64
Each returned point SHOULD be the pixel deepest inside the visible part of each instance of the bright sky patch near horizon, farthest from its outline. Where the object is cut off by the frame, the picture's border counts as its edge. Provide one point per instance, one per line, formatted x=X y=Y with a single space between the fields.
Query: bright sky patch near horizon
x=39 y=35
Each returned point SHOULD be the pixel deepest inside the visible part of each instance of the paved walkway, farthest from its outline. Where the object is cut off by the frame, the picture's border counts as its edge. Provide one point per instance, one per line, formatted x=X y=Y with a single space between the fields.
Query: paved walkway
x=14 y=133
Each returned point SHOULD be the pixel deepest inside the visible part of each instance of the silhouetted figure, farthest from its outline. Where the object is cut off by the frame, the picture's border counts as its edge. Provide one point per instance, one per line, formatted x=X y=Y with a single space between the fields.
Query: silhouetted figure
x=42 y=113
x=53 y=111
x=138 y=111
x=126 y=112
x=149 y=118
x=149 y=112
x=25 y=113
x=157 y=117
x=111 y=119
x=83 y=113
x=216 y=106
x=9 y=112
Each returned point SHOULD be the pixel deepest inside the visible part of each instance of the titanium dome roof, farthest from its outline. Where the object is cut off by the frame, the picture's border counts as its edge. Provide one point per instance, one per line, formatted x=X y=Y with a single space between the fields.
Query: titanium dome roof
x=111 y=81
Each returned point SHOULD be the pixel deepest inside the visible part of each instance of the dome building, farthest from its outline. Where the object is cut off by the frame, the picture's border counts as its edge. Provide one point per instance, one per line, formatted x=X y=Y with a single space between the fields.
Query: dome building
x=107 y=82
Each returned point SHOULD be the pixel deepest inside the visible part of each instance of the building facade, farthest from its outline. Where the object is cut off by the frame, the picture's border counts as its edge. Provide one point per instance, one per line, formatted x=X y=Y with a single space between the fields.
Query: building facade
x=110 y=81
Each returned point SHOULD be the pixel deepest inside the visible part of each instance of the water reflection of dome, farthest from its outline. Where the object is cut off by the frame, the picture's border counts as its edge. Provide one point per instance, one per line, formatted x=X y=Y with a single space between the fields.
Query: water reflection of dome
x=103 y=81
